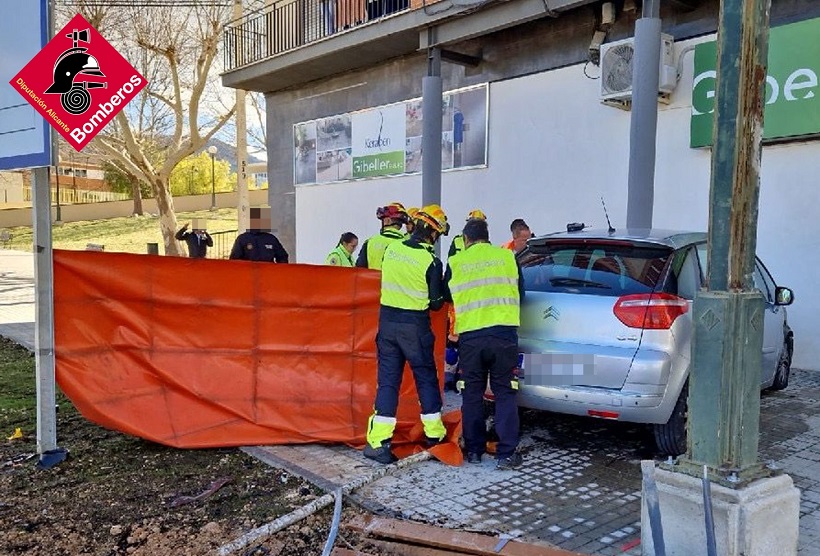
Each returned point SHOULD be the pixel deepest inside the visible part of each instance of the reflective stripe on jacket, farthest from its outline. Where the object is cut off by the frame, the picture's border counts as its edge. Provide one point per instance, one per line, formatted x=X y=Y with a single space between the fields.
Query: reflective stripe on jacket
x=377 y=245
x=484 y=287
x=404 y=277
x=339 y=257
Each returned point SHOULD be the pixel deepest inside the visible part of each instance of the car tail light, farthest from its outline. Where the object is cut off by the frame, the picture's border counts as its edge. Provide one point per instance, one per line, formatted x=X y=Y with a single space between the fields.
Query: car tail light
x=603 y=414
x=654 y=311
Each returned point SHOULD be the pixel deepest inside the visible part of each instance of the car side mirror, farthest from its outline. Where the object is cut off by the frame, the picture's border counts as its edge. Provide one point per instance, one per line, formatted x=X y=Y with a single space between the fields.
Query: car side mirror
x=783 y=296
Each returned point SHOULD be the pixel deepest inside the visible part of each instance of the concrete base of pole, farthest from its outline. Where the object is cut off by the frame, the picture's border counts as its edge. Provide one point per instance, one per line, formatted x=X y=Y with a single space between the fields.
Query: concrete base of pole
x=760 y=519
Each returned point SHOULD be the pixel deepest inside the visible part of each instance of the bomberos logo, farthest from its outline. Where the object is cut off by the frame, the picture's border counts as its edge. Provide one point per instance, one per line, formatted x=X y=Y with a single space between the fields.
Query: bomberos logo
x=78 y=82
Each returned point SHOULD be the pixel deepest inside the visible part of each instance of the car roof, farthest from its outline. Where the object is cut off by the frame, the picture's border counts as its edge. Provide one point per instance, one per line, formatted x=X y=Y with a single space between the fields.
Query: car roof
x=669 y=238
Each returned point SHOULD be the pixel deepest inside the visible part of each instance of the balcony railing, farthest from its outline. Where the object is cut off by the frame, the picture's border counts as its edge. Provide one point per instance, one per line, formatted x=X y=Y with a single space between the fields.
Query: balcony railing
x=289 y=24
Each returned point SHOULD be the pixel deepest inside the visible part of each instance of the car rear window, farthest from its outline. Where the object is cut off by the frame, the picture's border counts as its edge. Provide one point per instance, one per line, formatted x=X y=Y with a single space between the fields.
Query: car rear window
x=611 y=269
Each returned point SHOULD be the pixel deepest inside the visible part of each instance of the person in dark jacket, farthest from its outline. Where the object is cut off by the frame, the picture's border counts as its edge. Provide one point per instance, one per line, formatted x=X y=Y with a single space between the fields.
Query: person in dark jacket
x=198 y=240
x=258 y=243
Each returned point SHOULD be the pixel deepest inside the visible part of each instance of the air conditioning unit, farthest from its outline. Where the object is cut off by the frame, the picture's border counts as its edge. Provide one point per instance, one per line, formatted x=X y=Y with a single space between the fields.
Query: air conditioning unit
x=617 y=59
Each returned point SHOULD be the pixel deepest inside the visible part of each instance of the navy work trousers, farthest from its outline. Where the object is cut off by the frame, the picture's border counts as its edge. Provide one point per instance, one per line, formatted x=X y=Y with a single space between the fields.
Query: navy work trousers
x=400 y=342
x=479 y=357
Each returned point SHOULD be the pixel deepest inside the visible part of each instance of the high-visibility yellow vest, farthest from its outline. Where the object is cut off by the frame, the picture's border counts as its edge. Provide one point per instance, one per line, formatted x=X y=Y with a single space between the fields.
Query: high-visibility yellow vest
x=458 y=241
x=404 y=276
x=339 y=257
x=377 y=244
x=484 y=286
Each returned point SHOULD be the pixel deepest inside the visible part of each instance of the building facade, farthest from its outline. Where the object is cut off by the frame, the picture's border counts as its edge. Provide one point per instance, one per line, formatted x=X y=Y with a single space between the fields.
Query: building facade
x=533 y=139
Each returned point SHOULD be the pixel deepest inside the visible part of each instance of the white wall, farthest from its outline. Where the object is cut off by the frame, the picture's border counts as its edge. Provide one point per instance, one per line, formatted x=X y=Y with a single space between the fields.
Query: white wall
x=554 y=150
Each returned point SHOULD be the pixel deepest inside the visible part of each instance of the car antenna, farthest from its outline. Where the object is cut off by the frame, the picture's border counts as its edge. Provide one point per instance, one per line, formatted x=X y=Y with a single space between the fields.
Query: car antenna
x=608 y=223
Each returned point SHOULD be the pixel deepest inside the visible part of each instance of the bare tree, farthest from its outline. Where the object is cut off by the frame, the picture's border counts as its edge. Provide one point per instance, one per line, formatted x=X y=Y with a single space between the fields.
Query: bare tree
x=257 y=130
x=174 y=49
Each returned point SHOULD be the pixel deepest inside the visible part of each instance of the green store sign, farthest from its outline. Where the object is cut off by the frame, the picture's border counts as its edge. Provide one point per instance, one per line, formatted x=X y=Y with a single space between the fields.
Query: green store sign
x=792 y=90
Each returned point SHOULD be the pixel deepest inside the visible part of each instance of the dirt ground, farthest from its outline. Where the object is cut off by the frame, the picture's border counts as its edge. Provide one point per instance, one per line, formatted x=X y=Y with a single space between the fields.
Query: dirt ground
x=116 y=494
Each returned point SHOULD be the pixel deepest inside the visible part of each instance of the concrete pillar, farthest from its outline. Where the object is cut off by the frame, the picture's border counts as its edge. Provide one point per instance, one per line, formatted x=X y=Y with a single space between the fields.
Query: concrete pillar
x=760 y=519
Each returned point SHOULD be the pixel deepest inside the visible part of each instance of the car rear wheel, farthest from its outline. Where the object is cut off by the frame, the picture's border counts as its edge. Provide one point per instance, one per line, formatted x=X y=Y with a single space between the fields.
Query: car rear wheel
x=670 y=437
x=784 y=367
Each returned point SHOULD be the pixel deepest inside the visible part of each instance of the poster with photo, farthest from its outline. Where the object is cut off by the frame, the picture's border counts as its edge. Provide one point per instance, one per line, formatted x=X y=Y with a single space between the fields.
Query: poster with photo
x=333 y=133
x=412 y=155
x=387 y=140
x=379 y=141
x=304 y=153
x=334 y=166
x=466 y=116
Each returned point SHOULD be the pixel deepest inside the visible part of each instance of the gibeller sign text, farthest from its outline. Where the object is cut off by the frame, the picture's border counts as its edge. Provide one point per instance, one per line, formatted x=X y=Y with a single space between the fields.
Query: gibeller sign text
x=78 y=82
x=792 y=97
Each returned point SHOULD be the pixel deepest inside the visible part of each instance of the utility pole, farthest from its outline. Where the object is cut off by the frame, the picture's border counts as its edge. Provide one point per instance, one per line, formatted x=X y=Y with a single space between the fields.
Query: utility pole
x=643 y=123
x=724 y=388
x=212 y=151
x=431 y=107
x=243 y=208
x=758 y=511
x=56 y=179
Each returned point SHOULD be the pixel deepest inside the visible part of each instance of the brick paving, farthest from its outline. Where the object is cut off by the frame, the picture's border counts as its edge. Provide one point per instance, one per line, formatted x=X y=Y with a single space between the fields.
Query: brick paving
x=579 y=488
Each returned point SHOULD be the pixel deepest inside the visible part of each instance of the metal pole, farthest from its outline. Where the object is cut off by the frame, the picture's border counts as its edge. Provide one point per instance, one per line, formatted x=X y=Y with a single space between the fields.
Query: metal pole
x=74 y=177
x=653 y=506
x=44 y=338
x=213 y=184
x=644 y=118
x=709 y=520
x=724 y=400
x=243 y=201
x=431 y=108
x=57 y=179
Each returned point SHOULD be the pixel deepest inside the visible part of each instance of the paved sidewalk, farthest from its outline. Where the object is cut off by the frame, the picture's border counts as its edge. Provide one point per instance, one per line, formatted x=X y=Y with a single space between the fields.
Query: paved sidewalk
x=580 y=486
x=17 y=296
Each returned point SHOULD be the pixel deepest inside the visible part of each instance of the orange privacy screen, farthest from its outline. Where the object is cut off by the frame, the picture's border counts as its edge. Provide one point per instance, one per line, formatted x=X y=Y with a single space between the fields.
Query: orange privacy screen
x=197 y=353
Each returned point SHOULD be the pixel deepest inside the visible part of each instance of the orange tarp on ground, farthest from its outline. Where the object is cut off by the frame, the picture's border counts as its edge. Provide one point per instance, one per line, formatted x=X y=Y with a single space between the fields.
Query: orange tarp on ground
x=197 y=353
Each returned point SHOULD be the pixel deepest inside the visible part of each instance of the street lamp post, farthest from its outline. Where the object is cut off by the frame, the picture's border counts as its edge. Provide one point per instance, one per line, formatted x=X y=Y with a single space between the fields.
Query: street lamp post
x=74 y=177
x=57 y=179
x=212 y=152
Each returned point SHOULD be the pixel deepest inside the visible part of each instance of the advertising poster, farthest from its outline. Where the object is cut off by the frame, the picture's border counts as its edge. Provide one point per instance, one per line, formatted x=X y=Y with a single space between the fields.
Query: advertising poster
x=465 y=128
x=379 y=141
x=333 y=153
x=414 y=125
x=387 y=140
x=304 y=152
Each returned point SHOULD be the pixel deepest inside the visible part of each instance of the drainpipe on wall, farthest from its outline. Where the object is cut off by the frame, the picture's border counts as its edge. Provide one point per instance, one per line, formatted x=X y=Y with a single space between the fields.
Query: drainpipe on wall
x=644 y=119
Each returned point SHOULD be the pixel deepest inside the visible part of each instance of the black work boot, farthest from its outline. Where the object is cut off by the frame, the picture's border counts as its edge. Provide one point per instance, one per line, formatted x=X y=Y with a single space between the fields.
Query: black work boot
x=382 y=454
x=473 y=457
x=430 y=442
x=512 y=462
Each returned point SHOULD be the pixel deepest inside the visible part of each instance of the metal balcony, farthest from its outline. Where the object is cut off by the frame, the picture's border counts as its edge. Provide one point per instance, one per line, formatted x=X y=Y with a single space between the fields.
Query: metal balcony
x=293 y=42
x=289 y=24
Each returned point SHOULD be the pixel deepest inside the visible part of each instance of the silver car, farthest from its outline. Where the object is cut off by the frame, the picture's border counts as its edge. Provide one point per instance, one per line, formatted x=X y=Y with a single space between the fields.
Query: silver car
x=606 y=326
